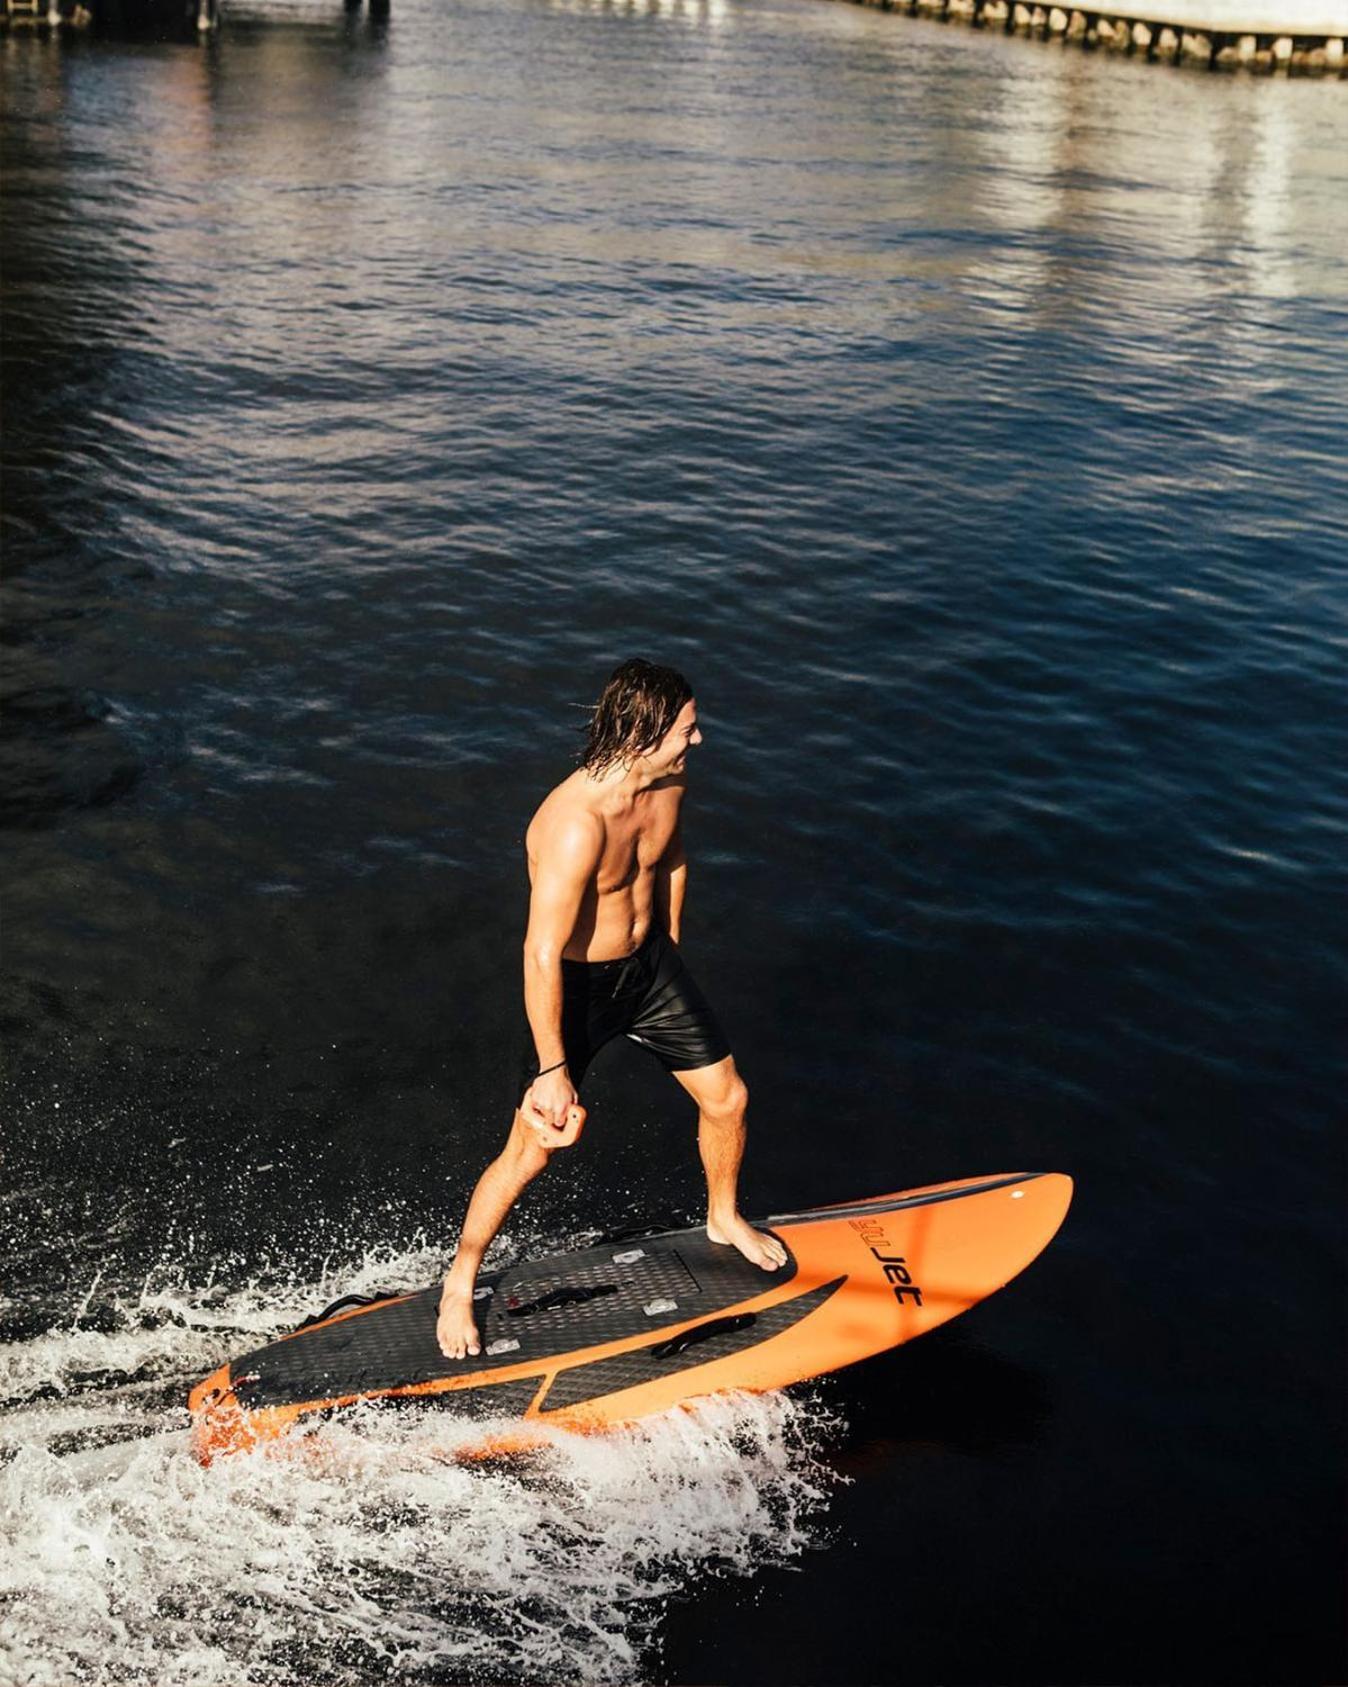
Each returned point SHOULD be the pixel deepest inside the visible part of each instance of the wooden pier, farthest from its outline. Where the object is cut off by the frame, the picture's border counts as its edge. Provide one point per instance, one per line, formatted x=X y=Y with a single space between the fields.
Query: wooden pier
x=1303 y=37
x=136 y=16
x=157 y=17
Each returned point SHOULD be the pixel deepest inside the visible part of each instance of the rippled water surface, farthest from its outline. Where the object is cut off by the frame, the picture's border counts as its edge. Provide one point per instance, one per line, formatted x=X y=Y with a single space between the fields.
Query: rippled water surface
x=967 y=418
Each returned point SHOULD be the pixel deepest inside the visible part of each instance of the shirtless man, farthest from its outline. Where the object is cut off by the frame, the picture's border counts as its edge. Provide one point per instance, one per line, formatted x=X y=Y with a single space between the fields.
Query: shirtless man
x=608 y=875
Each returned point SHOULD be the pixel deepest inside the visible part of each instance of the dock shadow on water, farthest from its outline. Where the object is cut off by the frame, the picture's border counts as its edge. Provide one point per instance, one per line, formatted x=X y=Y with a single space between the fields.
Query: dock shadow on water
x=367 y=1551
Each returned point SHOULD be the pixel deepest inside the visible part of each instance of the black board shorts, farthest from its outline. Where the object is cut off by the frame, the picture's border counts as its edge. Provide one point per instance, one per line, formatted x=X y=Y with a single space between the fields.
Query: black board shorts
x=649 y=996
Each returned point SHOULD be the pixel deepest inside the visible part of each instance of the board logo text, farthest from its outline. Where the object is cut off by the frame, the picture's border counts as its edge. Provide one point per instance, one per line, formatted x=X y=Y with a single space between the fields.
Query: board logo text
x=897 y=1274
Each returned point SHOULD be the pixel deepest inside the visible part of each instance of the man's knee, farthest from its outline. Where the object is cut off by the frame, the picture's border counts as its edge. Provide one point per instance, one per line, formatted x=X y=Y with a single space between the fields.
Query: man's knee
x=524 y=1149
x=728 y=1101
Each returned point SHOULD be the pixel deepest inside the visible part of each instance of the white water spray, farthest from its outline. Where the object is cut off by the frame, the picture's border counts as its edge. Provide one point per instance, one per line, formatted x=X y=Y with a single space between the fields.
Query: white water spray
x=373 y=1554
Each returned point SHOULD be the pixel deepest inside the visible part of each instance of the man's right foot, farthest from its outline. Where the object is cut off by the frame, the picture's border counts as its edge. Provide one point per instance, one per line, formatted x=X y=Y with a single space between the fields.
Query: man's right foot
x=455 y=1330
x=756 y=1245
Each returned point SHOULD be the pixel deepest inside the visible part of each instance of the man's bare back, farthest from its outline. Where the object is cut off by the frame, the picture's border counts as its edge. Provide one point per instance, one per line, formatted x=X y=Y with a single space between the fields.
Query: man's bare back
x=608 y=874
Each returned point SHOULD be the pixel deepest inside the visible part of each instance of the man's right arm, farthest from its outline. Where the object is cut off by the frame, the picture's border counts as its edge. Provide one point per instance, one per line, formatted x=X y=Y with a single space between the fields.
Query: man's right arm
x=565 y=865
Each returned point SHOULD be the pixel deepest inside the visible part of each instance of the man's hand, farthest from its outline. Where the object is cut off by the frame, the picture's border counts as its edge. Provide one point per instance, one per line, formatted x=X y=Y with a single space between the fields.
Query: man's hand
x=551 y=1110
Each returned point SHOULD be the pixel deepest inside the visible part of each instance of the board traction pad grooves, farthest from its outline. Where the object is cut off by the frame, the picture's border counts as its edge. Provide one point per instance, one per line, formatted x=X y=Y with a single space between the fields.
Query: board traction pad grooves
x=397 y=1348
x=494 y=1400
x=626 y=1370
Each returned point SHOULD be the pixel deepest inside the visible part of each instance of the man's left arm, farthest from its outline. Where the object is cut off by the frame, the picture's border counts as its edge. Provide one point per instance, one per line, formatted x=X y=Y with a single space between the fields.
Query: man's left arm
x=671 y=881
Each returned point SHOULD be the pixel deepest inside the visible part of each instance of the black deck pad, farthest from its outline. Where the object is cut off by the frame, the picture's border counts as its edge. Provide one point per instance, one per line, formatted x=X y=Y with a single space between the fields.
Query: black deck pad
x=644 y=1364
x=540 y=1310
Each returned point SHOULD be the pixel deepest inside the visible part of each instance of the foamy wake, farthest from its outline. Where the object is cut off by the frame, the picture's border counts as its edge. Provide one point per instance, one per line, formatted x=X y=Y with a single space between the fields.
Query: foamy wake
x=366 y=1552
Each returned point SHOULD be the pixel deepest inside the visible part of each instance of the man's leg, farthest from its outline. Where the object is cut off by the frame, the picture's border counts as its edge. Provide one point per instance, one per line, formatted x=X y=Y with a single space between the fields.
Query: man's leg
x=499 y=1187
x=722 y=1101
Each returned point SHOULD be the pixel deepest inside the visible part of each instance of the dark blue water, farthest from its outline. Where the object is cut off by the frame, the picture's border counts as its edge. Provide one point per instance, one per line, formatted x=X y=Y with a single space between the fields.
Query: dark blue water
x=966 y=418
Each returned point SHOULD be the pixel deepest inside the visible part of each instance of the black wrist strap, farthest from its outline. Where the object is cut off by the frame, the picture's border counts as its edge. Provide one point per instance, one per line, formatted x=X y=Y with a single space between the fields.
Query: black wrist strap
x=547 y=1069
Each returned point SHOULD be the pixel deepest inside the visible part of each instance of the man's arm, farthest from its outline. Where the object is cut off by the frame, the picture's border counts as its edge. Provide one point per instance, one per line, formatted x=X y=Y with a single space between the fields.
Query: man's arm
x=671 y=882
x=565 y=865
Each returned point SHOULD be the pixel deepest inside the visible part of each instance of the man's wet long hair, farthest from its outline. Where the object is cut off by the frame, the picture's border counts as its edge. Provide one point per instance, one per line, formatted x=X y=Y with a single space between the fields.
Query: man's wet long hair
x=635 y=710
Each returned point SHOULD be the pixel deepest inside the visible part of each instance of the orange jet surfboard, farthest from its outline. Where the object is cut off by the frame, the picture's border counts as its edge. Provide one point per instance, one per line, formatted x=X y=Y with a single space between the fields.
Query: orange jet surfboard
x=601 y=1336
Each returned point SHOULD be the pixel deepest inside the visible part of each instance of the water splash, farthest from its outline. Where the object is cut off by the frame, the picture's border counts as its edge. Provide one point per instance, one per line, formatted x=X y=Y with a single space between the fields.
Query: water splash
x=368 y=1551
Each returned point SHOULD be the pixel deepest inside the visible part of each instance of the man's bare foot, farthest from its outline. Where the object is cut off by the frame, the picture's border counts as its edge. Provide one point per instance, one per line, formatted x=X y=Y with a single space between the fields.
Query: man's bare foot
x=455 y=1330
x=756 y=1247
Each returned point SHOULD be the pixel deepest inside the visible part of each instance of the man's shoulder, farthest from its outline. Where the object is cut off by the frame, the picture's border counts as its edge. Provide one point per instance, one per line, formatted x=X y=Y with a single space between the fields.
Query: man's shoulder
x=564 y=823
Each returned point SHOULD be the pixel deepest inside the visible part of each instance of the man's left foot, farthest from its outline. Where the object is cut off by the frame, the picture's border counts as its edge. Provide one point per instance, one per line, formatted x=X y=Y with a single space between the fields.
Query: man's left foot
x=756 y=1247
